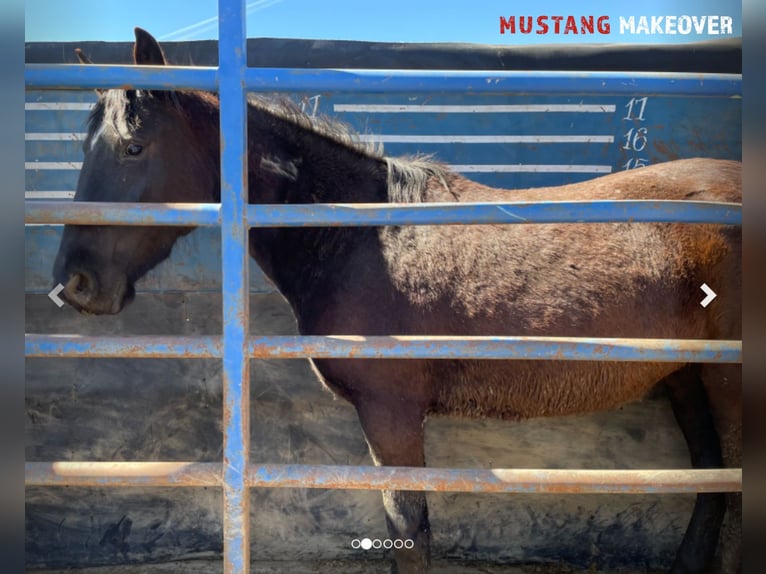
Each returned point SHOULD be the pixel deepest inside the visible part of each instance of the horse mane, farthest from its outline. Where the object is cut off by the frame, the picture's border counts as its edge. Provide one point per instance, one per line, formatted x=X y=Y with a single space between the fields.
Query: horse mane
x=323 y=125
x=407 y=176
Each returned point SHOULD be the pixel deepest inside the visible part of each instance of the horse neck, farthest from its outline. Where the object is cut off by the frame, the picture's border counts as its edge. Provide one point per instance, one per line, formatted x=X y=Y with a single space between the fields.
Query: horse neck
x=304 y=165
x=295 y=165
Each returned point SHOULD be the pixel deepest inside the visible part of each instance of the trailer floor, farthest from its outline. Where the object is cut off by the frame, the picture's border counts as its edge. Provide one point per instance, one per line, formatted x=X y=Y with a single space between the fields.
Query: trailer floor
x=329 y=566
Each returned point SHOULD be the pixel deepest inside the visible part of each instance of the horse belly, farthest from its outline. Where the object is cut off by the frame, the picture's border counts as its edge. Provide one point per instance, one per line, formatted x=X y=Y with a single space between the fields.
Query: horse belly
x=531 y=389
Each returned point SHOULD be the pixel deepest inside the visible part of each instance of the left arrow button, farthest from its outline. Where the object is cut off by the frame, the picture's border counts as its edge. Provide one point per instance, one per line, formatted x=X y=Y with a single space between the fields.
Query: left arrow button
x=54 y=295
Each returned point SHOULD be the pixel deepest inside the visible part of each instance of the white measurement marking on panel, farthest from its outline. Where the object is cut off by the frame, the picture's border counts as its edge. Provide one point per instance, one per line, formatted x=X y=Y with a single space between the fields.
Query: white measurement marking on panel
x=493 y=108
x=54 y=136
x=636 y=138
x=530 y=168
x=310 y=106
x=42 y=165
x=472 y=109
x=65 y=106
x=442 y=139
x=48 y=194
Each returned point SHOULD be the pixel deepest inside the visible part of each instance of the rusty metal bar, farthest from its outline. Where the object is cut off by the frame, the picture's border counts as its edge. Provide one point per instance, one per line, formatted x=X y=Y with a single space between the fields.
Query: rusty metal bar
x=110 y=213
x=315 y=215
x=139 y=474
x=514 y=212
x=232 y=63
x=521 y=348
x=496 y=480
x=99 y=76
x=143 y=346
x=144 y=474
x=493 y=81
x=393 y=347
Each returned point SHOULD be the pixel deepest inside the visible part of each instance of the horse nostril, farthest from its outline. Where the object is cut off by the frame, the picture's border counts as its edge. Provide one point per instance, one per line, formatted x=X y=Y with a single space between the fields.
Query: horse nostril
x=80 y=288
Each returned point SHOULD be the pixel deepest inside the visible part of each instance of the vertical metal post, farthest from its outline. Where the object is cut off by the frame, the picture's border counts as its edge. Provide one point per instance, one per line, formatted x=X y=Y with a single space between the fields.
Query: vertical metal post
x=232 y=61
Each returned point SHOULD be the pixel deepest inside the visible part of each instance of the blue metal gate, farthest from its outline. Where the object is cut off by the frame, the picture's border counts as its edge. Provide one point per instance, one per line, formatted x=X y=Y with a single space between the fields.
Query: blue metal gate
x=235 y=347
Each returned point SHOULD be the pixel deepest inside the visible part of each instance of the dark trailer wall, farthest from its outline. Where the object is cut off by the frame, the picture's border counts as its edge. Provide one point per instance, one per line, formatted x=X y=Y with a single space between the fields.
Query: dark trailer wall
x=96 y=409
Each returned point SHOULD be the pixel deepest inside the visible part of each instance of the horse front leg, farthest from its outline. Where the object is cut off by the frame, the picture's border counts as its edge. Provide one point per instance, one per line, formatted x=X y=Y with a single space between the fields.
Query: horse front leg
x=395 y=437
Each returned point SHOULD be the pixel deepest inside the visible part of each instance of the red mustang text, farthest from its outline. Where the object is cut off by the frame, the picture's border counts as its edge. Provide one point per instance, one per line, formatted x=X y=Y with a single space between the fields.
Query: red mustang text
x=554 y=25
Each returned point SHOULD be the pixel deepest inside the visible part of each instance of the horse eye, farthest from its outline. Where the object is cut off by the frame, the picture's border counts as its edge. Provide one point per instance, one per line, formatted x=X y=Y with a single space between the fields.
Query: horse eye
x=133 y=149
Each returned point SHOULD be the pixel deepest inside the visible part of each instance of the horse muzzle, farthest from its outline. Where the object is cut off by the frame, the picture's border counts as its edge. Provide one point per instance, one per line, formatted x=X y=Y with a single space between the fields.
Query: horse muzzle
x=91 y=295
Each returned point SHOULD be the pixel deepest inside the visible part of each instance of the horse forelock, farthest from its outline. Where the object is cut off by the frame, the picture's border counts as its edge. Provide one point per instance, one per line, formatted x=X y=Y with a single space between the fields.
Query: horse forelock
x=125 y=110
x=116 y=109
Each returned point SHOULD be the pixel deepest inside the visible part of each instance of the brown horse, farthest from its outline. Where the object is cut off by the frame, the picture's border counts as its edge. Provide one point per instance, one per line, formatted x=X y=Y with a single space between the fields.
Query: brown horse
x=600 y=280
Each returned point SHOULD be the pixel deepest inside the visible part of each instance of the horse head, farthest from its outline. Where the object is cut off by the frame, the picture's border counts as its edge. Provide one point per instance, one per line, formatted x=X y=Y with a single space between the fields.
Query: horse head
x=141 y=146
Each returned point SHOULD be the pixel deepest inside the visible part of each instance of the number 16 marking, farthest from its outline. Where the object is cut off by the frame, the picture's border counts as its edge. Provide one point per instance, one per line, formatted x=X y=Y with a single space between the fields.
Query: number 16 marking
x=636 y=141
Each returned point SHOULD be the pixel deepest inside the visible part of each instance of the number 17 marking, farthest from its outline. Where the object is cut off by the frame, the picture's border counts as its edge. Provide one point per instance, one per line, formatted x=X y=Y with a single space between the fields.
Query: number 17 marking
x=641 y=104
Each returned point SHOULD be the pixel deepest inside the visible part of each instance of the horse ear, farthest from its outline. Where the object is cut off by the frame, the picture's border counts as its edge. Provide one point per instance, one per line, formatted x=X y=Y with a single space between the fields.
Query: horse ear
x=147 y=51
x=85 y=60
x=82 y=57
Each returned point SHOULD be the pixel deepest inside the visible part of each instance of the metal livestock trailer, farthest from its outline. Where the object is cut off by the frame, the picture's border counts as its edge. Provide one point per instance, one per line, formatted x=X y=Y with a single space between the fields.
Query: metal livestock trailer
x=507 y=129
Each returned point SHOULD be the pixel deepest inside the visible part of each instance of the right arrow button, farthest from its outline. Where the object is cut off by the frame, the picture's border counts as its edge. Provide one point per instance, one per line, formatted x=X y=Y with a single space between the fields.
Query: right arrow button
x=709 y=295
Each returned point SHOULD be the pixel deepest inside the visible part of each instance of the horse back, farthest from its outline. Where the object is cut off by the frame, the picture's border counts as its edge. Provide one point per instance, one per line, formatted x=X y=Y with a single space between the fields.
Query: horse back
x=569 y=279
x=698 y=179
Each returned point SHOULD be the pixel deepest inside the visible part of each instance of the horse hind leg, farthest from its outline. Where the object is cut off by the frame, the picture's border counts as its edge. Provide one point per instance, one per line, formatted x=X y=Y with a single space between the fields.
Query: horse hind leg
x=723 y=386
x=395 y=437
x=690 y=406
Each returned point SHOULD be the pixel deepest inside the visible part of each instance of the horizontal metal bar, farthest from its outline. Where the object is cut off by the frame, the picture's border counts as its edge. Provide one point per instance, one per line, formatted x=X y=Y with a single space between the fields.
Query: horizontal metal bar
x=496 y=480
x=312 y=215
x=77 y=76
x=145 y=474
x=69 y=76
x=159 y=474
x=140 y=346
x=108 y=213
x=395 y=347
x=308 y=215
x=482 y=81
x=506 y=348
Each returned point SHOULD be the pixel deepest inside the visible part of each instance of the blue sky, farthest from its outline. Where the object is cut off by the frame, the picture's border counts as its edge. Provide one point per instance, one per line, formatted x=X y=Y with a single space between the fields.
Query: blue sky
x=400 y=21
